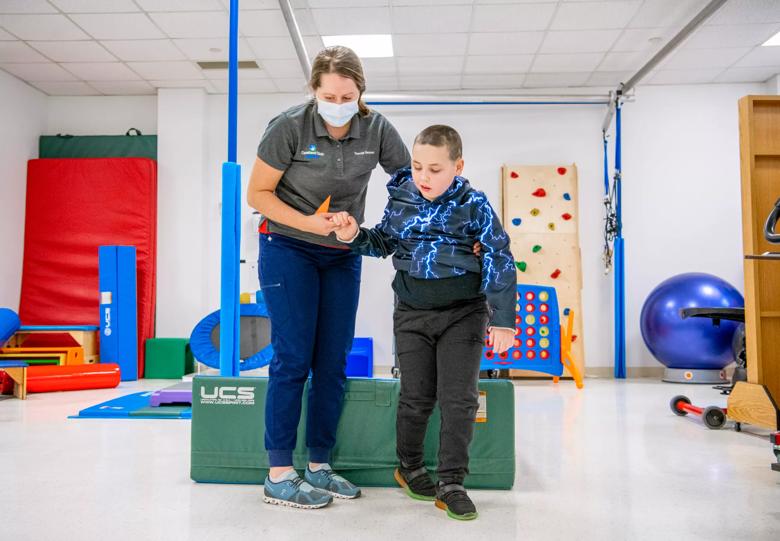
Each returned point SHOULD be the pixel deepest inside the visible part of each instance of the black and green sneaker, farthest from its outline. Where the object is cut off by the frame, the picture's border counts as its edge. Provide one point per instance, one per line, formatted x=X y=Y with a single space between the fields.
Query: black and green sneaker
x=454 y=500
x=417 y=483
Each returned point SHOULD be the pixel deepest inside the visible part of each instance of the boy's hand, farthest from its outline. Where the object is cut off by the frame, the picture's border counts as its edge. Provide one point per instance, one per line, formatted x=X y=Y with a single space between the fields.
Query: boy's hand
x=345 y=226
x=501 y=339
x=477 y=249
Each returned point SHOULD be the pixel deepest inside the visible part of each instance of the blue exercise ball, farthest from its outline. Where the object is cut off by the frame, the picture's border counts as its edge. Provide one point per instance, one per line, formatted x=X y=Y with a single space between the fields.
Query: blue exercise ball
x=692 y=343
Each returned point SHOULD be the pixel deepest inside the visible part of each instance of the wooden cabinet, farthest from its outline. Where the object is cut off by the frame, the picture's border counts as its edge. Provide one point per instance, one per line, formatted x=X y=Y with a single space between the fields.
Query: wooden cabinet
x=759 y=132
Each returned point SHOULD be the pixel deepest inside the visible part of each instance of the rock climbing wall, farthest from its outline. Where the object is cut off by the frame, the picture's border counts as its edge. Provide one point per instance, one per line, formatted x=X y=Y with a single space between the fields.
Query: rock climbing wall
x=540 y=207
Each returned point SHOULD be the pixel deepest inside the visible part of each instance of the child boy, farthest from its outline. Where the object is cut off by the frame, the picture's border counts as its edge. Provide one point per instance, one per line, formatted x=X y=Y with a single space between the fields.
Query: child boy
x=430 y=224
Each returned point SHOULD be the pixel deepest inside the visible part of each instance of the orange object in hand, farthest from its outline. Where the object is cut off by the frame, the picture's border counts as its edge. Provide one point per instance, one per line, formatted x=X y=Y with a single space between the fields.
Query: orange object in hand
x=324 y=207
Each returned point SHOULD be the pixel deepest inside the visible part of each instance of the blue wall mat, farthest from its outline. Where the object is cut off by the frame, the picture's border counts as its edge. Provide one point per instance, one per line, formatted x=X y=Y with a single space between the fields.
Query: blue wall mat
x=118 y=318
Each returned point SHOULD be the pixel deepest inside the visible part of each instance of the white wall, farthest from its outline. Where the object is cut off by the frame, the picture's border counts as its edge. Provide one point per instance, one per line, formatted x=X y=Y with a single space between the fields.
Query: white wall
x=681 y=191
x=23 y=114
x=181 y=209
x=101 y=115
x=682 y=196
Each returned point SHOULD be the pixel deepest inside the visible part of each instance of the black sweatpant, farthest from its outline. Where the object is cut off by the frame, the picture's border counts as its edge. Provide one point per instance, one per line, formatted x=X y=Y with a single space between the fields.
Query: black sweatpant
x=439 y=354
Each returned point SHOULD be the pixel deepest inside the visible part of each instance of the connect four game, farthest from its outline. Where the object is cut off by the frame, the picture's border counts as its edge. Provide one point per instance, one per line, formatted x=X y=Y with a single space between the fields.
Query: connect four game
x=537 y=334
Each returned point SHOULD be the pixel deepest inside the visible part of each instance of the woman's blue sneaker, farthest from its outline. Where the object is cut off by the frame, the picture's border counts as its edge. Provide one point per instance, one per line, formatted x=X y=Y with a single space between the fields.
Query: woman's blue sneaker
x=292 y=491
x=333 y=484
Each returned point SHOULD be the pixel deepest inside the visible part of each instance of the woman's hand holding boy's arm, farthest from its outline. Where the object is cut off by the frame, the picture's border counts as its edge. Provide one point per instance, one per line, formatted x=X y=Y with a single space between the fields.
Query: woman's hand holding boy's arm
x=318 y=224
x=346 y=226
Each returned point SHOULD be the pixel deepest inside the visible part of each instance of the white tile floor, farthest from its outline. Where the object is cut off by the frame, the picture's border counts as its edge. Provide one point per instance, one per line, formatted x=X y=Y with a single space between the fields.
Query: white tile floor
x=609 y=462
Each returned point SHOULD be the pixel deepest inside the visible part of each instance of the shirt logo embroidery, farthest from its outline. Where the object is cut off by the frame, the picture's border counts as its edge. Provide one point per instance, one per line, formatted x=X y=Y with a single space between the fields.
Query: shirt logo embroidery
x=312 y=153
x=365 y=153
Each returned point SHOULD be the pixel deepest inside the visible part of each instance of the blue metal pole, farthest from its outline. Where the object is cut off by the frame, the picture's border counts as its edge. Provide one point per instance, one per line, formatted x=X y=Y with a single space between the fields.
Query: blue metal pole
x=620 y=280
x=229 y=339
x=233 y=81
x=606 y=166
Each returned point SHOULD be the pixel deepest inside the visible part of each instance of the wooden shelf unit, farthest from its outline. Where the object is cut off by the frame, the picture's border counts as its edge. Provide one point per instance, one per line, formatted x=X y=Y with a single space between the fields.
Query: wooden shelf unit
x=759 y=133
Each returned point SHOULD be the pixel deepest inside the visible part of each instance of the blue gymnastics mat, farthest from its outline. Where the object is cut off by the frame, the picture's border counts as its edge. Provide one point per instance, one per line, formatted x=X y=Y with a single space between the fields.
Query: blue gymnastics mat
x=133 y=406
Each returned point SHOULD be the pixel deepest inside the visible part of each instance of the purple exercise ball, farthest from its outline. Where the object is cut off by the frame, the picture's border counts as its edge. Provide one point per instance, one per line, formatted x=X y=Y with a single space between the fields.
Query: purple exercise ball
x=693 y=343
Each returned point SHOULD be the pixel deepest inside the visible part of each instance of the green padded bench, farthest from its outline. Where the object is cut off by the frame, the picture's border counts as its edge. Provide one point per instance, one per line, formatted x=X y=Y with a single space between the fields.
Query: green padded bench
x=228 y=427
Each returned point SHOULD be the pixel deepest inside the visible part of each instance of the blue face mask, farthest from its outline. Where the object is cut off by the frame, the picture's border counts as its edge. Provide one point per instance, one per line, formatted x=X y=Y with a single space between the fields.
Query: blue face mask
x=337 y=115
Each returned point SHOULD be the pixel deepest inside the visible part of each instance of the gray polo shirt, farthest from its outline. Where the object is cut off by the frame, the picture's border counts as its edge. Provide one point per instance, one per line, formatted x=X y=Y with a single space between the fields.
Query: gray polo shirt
x=317 y=166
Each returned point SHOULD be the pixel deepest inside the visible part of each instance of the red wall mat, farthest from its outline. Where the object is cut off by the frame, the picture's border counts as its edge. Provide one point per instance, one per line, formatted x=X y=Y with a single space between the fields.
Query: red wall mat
x=73 y=206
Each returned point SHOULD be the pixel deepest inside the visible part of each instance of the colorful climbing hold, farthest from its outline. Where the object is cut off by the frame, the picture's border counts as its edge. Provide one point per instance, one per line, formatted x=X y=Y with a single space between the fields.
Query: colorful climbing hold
x=513 y=174
x=534 y=212
x=539 y=193
x=556 y=273
x=566 y=216
x=566 y=311
x=521 y=265
x=574 y=338
x=536 y=248
x=567 y=197
x=561 y=170
x=516 y=221
x=551 y=226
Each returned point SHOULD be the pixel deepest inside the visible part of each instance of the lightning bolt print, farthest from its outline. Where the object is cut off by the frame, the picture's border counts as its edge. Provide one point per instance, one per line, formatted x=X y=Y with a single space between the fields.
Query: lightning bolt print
x=433 y=239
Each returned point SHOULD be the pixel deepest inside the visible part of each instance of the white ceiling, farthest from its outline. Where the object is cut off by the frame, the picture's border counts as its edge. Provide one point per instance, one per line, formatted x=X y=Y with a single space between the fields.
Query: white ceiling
x=92 y=47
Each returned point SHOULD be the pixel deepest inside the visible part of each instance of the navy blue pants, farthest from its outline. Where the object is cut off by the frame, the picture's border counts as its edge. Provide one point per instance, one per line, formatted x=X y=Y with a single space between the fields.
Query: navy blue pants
x=312 y=296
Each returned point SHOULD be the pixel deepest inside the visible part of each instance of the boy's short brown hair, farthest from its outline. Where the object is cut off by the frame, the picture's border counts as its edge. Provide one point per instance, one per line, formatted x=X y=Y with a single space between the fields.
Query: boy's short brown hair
x=440 y=135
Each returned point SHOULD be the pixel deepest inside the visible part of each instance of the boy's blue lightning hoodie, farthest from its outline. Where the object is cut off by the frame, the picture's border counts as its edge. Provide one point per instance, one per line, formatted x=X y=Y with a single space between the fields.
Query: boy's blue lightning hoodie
x=433 y=240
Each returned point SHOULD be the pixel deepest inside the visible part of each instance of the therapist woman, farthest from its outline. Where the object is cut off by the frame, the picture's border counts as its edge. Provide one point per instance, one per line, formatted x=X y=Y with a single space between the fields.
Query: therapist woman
x=316 y=155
